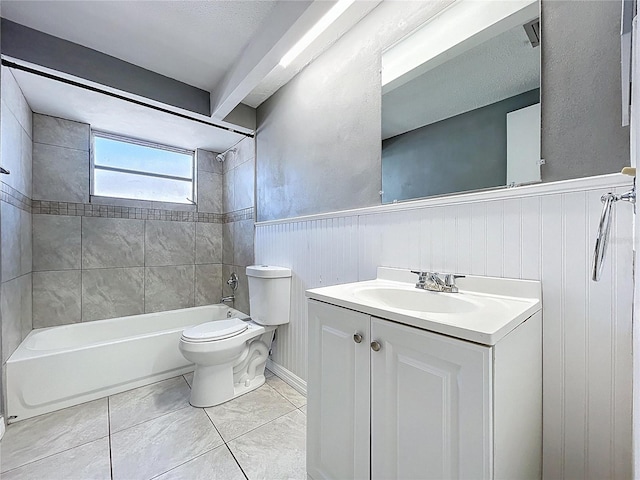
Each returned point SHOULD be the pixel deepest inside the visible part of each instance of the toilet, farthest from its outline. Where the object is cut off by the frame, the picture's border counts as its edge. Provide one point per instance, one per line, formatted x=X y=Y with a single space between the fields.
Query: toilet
x=230 y=355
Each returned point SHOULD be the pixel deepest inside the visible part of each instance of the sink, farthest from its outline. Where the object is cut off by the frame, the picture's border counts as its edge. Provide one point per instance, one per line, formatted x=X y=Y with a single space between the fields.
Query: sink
x=416 y=300
x=483 y=311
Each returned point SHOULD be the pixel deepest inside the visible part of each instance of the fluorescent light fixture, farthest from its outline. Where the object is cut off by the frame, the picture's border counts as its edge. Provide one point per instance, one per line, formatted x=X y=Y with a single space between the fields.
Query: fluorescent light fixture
x=328 y=18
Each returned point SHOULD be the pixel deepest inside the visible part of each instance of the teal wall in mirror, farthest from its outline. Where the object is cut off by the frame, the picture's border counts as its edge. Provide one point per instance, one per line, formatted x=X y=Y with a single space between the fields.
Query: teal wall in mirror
x=461 y=111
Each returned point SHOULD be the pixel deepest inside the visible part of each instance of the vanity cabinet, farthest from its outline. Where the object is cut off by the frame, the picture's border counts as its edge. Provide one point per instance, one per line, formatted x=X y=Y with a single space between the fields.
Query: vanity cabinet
x=391 y=401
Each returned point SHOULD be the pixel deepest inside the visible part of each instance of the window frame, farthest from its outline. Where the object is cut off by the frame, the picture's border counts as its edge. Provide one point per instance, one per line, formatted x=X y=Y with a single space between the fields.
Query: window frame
x=142 y=143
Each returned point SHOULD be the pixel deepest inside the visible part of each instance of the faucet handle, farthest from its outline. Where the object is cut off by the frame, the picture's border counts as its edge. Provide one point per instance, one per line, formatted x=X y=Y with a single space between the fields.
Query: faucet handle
x=450 y=279
x=422 y=278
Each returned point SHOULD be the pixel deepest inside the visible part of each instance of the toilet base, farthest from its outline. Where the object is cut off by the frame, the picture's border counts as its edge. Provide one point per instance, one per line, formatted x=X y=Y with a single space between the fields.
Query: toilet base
x=220 y=377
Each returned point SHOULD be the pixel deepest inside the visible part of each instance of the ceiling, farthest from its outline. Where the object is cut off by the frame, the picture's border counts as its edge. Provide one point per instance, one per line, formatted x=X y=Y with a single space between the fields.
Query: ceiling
x=195 y=42
x=499 y=68
x=109 y=114
x=231 y=49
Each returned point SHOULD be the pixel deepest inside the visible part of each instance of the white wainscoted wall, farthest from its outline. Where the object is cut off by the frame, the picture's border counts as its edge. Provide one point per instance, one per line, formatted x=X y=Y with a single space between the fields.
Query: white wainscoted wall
x=544 y=232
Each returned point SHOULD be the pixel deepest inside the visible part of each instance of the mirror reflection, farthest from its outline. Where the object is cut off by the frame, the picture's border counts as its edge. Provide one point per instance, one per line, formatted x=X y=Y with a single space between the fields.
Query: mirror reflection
x=461 y=110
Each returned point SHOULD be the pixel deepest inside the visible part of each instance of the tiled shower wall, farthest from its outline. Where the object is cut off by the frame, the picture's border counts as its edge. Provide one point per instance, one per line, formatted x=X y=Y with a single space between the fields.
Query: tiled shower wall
x=238 y=230
x=15 y=215
x=544 y=233
x=94 y=261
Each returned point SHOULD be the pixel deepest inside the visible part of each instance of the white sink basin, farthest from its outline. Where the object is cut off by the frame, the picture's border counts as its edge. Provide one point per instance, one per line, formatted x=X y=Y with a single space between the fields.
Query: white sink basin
x=485 y=309
x=416 y=300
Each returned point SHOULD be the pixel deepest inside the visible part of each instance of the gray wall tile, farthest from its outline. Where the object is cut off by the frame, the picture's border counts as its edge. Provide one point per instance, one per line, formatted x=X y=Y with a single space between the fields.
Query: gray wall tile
x=242 y=293
x=169 y=288
x=112 y=242
x=243 y=242
x=56 y=298
x=208 y=284
x=11 y=311
x=244 y=185
x=209 y=192
x=208 y=242
x=56 y=242
x=11 y=147
x=26 y=165
x=10 y=233
x=60 y=174
x=26 y=244
x=13 y=97
x=227 y=243
x=245 y=149
x=112 y=292
x=228 y=191
x=26 y=299
x=60 y=132
x=15 y=148
x=169 y=243
x=207 y=162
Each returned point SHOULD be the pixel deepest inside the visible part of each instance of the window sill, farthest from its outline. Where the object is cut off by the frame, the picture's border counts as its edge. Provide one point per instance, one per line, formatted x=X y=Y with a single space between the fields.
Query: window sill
x=127 y=202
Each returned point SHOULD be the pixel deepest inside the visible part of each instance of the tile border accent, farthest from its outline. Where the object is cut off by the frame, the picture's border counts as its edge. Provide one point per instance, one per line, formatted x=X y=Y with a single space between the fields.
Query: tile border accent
x=111 y=211
x=10 y=195
x=238 y=215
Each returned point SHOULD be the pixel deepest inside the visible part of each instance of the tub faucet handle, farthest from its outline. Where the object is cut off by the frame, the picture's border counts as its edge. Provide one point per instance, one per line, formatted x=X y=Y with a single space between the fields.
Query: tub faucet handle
x=233 y=281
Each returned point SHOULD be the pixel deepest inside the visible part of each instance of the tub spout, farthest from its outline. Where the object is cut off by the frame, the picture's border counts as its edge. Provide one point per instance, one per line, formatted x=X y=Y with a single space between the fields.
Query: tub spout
x=228 y=299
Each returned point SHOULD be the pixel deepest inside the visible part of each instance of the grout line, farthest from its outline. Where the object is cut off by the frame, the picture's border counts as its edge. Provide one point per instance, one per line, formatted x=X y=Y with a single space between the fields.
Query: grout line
x=109 y=424
x=237 y=462
x=53 y=454
x=187 y=461
x=144 y=266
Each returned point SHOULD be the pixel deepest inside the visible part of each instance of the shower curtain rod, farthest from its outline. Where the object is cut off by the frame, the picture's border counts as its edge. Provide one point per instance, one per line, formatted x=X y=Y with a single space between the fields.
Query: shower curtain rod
x=17 y=66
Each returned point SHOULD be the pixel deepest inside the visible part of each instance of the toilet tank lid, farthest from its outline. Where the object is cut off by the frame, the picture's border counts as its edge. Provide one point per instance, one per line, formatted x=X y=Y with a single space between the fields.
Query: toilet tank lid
x=268 y=271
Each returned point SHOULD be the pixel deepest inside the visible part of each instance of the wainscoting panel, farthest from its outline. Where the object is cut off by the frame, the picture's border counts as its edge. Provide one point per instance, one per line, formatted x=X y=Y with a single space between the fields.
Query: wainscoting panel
x=542 y=234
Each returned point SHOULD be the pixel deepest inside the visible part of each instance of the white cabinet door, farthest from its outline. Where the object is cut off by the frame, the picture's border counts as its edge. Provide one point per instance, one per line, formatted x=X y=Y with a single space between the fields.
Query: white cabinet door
x=430 y=405
x=338 y=393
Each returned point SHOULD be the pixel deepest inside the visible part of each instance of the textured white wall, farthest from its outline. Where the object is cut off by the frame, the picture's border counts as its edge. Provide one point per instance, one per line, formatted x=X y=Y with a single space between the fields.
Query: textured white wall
x=544 y=232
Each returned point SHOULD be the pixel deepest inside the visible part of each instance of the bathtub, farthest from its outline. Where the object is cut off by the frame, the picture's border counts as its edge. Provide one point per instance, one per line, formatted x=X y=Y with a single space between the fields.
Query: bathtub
x=58 y=367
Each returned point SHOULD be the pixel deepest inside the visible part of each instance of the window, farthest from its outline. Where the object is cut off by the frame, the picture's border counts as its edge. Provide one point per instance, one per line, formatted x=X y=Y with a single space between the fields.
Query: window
x=128 y=168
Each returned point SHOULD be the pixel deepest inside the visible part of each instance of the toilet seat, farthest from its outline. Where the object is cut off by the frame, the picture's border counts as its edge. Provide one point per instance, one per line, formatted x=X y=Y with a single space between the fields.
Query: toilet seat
x=216 y=330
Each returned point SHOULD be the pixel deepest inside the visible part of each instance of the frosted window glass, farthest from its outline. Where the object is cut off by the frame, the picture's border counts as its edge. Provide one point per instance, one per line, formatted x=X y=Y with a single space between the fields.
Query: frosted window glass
x=141 y=172
x=140 y=187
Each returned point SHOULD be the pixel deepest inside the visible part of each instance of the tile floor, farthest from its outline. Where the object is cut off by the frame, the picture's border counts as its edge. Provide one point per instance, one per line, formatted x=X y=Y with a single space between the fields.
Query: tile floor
x=153 y=432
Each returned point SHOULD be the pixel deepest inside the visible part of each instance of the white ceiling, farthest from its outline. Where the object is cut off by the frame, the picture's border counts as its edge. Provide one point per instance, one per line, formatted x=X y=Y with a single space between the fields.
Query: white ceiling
x=502 y=67
x=112 y=115
x=230 y=48
x=195 y=42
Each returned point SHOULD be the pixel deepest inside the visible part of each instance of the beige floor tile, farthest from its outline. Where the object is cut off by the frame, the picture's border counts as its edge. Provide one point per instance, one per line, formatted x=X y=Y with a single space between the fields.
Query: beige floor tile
x=218 y=464
x=248 y=411
x=287 y=391
x=88 y=461
x=275 y=451
x=157 y=446
x=39 y=437
x=136 y=406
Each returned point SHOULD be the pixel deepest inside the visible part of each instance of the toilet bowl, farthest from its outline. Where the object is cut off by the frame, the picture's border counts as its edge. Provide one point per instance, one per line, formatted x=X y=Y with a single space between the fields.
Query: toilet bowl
x=230 y=355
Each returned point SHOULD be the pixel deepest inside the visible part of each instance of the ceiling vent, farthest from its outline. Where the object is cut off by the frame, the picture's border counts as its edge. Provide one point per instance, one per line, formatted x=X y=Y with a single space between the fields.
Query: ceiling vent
x=533 y=32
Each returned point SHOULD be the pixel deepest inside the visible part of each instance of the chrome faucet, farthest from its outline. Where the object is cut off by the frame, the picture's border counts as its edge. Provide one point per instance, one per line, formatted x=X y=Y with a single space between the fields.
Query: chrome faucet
x=431 y=281
x=228 y=299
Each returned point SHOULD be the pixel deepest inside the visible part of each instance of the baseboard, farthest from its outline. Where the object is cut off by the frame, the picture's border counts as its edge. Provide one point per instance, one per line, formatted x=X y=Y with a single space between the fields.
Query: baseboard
x=289 y=377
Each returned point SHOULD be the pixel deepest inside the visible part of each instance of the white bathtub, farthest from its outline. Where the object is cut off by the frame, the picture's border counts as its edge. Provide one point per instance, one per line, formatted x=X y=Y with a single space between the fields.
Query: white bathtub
x=58 y=367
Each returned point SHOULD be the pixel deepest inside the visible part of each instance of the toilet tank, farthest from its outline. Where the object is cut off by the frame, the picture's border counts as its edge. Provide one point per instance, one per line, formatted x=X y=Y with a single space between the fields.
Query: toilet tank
x=269 y=294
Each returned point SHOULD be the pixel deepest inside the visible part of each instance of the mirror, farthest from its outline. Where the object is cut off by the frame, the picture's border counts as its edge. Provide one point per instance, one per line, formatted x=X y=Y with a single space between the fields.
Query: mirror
x=461 y=102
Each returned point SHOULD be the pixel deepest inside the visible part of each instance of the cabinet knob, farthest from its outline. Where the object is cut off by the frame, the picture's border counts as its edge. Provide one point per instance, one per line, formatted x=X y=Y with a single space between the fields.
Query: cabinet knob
x=375 y=346
x=357 y=337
